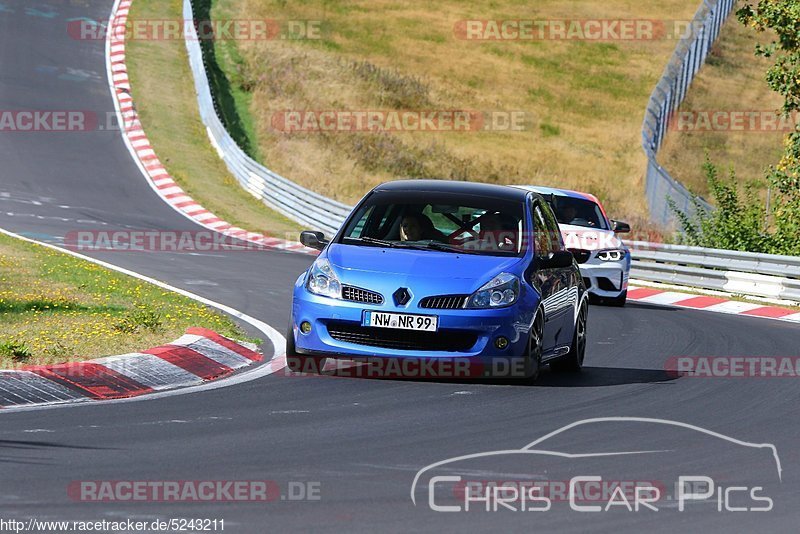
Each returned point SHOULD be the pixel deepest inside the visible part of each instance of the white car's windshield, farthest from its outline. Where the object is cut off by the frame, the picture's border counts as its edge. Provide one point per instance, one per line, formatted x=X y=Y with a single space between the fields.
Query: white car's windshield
x=578 y=212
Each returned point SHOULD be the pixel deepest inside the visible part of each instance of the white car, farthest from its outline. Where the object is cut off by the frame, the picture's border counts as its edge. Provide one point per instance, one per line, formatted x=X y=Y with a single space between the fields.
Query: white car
x=591 y=236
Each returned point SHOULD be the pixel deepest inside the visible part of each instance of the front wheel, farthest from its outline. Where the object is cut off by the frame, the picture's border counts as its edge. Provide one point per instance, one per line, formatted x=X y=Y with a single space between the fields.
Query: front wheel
x=298 y=363
x=573 y=361
x=618 y=301
x=533 y=357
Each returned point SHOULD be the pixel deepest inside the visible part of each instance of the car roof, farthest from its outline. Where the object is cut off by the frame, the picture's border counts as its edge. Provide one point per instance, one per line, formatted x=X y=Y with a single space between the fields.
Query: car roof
x=451 y=186
x=543 y=190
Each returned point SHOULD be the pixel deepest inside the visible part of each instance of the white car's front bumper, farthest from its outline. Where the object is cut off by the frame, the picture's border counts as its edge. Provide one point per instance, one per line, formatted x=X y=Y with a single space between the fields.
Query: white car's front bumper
x=607 y=279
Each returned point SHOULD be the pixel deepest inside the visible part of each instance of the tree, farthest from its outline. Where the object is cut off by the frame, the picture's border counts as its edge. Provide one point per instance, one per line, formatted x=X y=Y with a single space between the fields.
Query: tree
x=783 y=18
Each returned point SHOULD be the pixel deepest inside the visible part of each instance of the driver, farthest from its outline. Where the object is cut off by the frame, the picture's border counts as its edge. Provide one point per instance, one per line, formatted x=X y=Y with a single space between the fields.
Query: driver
x=566 y=214
x=418 y=227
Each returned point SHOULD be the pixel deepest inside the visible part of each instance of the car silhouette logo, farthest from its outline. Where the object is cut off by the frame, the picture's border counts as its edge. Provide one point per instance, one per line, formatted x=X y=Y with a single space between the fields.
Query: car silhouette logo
x=401 y=296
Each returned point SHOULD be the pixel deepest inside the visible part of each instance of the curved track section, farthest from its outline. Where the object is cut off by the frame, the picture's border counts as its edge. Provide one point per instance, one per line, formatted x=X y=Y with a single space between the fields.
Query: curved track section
x=362 y=441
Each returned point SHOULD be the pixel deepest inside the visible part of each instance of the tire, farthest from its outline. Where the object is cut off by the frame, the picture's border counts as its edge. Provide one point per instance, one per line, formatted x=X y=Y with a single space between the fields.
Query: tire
x=618 y=301
x=573 y=361
x=298 y=363
x=533 y=357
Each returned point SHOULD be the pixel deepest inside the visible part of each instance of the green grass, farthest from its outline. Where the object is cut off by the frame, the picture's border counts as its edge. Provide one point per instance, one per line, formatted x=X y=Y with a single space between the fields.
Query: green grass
x=163 y=89
x=548 y=130
x=229 y=84
x=56 y=308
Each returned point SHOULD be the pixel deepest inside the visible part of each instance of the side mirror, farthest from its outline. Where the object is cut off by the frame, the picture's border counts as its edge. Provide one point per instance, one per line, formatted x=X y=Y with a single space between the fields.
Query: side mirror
x=620 y=227
x=313 y=239
x=557 y=260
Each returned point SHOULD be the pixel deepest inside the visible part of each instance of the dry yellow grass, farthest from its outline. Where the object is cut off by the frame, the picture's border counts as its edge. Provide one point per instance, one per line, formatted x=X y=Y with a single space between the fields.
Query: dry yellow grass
x=584 y=100
x=732 y=80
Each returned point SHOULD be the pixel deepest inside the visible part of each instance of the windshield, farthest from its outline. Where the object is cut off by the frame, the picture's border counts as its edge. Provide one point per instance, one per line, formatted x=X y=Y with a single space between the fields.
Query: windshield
x=444 y=222
x=578 y=212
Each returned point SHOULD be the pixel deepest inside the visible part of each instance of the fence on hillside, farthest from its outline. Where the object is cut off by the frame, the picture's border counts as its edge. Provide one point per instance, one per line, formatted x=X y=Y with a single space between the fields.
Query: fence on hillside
x=689 y=56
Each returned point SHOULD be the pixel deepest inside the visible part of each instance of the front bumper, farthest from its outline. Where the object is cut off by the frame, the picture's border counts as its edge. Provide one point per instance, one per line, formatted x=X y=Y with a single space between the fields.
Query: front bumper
x=473 y=333
x=608 y=279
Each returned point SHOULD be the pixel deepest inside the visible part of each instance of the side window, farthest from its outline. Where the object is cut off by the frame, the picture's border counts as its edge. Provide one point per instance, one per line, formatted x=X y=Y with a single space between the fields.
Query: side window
x=371 y=222
x=541 y=233
x=554 y=232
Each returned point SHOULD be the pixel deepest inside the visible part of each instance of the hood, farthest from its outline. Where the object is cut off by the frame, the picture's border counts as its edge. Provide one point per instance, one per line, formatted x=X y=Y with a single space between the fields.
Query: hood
x=448 y=271
x=580 y=237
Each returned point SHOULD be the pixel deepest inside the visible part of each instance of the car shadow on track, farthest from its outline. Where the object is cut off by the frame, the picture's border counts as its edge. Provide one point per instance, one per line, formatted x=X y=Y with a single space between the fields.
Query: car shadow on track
x=656 y=307
x=605 y=376
x=588 y=377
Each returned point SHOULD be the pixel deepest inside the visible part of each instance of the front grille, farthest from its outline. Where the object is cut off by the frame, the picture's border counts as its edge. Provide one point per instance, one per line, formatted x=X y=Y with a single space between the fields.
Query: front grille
x=444 y=302
x=581 y=256
x=587 y=282
x=356 y=294
x=389 y=338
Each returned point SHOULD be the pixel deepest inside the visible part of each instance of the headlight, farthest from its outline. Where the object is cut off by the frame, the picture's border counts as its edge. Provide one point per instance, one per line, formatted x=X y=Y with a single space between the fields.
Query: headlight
x=323 y=281
x=503 y=290
x=611 y=255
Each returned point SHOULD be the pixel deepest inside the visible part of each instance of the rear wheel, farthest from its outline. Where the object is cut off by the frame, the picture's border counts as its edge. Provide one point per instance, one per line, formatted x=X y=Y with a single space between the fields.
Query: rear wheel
x=298 y=363
x=533 y=357
x=573 y=361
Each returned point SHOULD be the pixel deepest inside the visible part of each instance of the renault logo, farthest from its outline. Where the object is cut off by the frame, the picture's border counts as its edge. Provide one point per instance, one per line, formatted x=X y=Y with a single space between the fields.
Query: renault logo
x=402 y=296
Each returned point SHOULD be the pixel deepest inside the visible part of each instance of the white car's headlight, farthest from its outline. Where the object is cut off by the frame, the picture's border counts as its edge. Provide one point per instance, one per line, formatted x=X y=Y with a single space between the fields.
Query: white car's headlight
x=323 y=281
x=611 y=255
x=502 y=290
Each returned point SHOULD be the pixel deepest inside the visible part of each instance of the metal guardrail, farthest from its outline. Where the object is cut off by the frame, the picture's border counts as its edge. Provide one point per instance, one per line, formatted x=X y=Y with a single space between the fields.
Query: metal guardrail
x=743 y=273
x=306 y=207
x=668 y=95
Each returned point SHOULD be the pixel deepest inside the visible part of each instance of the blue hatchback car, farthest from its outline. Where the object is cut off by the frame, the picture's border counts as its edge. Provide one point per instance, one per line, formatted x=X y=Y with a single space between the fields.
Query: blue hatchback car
x=438 y=271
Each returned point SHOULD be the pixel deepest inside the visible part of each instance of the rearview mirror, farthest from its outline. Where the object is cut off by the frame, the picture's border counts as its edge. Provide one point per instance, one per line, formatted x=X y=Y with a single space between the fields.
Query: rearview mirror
x=620 y=227
x=557 y=260
x=313 y=239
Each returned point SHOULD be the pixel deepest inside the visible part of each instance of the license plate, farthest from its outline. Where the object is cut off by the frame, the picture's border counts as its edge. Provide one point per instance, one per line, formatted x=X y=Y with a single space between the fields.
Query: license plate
x=402 y=321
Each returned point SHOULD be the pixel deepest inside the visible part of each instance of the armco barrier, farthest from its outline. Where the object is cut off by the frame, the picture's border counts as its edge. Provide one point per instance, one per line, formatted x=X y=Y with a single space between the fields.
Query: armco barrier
x=668 y=95
x=308 y=208
x=743 y=273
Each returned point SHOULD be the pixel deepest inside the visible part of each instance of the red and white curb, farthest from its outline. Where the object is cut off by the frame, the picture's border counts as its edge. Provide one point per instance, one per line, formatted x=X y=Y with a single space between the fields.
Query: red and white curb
x=663 y=297
x=198 y=356
x=157 y=175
